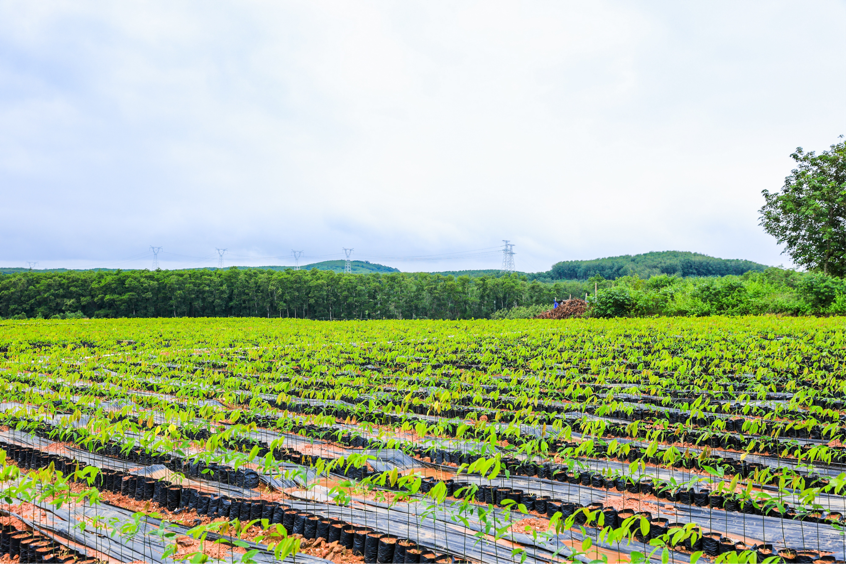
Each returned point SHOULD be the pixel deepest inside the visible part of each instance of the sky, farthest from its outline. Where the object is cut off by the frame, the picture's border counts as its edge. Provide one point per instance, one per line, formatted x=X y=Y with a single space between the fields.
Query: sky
x=419 y=134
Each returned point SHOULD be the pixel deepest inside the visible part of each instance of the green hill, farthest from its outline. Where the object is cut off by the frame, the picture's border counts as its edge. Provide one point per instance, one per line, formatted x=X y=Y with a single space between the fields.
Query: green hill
x=12 y=270
x=492 y=272
x=357 y=267
x=678 y=263
x=17 y=270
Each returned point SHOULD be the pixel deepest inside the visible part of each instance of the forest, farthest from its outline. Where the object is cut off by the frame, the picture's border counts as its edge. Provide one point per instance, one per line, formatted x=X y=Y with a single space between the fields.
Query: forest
x=327 y=295
x=312 y=294
x=673 y=263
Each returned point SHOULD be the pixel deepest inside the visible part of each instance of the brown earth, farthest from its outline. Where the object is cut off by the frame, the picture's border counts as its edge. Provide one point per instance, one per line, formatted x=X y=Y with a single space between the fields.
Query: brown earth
x=565 y=310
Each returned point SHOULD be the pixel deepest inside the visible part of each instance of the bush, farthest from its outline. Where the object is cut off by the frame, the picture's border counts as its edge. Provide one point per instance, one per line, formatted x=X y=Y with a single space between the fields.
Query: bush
x=716 y=296
x=838 y=307
x=612 y=302
x=519 y=312
x=820 y=292
x=661 y=282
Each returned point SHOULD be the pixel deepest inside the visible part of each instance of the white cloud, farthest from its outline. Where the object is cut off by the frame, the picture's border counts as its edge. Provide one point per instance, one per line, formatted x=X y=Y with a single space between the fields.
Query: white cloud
x=575 y=130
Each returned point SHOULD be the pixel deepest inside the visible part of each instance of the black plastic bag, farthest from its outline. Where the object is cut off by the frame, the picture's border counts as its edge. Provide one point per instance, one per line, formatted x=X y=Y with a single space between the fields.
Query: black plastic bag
x=371 y=547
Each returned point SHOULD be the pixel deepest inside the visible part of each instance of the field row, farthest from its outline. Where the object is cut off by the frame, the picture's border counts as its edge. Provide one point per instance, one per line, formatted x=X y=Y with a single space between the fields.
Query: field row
x=249 y=439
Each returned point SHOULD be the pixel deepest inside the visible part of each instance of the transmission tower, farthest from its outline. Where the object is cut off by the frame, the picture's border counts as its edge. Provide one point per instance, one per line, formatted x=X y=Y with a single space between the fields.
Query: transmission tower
x=347 y=265
x=220 y=257
x=297 y=255
x=508 y=256
x=31 y=263
x=155 y=256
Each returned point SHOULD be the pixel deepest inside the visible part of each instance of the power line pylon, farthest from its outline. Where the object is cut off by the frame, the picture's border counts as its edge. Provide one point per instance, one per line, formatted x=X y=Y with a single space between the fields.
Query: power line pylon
x=220 y=257
x=508 y=256
x=297 y=255
x=155 y=256
x=31 y=264
x=347 y=265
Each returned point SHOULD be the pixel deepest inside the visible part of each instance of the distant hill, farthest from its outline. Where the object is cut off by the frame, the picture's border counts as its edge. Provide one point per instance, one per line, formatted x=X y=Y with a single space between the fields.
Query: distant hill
x=17 y=270
x=357 y=267
x=677 y=263
x=493 y=272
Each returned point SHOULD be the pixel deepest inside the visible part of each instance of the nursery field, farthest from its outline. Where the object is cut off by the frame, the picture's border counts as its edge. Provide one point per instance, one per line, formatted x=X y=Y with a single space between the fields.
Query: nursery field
x=537 y=441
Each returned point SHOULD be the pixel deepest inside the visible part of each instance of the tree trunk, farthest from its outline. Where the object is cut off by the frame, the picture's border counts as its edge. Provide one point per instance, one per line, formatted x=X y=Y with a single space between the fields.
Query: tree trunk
x=827 y=254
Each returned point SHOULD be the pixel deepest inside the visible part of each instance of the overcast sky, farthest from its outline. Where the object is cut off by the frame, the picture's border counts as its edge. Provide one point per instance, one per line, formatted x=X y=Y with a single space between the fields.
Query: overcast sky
x=421 y=134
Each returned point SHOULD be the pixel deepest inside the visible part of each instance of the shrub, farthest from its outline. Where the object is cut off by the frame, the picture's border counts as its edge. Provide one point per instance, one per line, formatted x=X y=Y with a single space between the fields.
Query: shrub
x=612 y=302
x=726 y=295
x=820 y=292
x=519 y=312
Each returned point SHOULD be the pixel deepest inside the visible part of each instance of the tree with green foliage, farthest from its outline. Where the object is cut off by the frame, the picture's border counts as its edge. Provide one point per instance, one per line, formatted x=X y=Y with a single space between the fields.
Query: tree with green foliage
x=808 y=215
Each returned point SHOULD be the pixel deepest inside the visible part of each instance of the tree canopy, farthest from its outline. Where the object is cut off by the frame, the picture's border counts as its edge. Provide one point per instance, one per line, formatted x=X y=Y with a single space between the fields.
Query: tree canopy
x=808 y=214
x=315 y=294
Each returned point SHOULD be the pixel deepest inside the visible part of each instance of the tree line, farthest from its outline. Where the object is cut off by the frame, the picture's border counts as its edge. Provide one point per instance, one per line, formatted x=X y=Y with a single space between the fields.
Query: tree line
x=312 y=294
x=316 y=294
